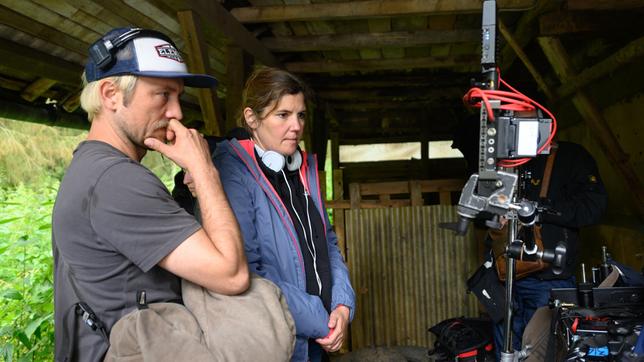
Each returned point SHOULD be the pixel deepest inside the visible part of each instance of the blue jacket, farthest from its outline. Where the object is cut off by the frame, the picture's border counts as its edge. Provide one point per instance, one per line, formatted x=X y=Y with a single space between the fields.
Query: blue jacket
x=270 y=238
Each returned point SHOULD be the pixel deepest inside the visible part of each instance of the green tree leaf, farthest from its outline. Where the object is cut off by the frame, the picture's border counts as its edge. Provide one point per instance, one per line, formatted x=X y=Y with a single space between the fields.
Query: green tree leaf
x=31 y=328
x=12 y=294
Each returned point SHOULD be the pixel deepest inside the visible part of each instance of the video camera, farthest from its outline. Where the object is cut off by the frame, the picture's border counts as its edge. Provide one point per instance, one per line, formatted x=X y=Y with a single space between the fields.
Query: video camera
x=512 y=130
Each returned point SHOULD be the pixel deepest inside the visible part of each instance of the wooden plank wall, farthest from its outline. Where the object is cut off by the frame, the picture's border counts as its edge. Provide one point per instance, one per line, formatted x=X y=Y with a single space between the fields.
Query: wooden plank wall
x=408 y=273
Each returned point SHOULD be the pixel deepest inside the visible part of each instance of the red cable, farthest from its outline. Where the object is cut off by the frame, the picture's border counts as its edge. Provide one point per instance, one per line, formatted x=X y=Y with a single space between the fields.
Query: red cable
x=511 y=101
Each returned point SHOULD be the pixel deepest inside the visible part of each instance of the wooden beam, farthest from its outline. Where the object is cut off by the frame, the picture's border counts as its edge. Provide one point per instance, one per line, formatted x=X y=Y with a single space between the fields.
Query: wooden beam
x=385 y=105
x=541 y=82
x=36 y=29
x=525 y=31
x=37 y=88
x=326 y=66
x=39 y=64
x=403 y=187
x=560 y=62
x=604 y=4
x=236 y=71
x=41 y=115
x=401 y=39
x=391 y=93
x=631 y=52
x=445 y=79
x=220 y=21
x=71 y=102
x=364 y=9
x=210 y=105
x=571 y=22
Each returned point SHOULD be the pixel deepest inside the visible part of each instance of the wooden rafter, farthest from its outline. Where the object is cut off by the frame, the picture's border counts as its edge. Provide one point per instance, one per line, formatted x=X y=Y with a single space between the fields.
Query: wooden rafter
x=381 y=64
x=210 y=105
x=525 y=30
x=220 y=21
x=364 y=9
x=370 y=40
x=558 y=58
x=37 y=88
x=603 y=4
x=632 y=51
x=526 y=60
x=28 y=26
x=572 y=22
x=40 y=64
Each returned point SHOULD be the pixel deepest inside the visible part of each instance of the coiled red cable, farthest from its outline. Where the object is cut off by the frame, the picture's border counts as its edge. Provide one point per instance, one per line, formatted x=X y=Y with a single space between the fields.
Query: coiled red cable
x=512 y=100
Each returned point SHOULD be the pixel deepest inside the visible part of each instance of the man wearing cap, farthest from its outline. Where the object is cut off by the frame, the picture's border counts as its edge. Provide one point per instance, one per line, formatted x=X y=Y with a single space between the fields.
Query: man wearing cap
x=118 y=237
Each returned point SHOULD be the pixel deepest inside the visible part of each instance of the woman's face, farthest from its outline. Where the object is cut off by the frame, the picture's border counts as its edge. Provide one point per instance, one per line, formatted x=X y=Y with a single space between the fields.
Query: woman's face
x=282 y=128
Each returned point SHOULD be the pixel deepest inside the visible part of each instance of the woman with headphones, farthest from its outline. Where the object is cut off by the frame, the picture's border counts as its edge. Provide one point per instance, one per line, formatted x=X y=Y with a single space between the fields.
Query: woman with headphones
x=274 y=191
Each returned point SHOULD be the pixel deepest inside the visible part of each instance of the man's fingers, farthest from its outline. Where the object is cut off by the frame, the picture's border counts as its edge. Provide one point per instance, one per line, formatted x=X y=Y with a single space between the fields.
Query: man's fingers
x=155 y=145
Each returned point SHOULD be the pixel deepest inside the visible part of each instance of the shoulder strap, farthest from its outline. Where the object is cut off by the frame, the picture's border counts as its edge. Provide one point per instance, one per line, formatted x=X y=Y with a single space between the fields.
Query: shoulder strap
x=545 y=183
x=81 y=308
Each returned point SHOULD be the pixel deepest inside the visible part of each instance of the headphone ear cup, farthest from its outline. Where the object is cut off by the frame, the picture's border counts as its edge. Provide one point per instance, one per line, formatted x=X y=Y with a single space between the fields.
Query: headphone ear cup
x=273 y=160
x=294 y=161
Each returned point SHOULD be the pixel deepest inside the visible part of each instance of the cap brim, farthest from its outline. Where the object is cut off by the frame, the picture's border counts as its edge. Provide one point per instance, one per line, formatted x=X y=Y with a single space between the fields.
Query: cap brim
x=189 y=80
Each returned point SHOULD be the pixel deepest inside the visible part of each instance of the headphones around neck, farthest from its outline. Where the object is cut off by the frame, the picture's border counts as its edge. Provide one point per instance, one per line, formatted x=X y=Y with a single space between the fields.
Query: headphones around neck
x=276 y=161
x=103 y=51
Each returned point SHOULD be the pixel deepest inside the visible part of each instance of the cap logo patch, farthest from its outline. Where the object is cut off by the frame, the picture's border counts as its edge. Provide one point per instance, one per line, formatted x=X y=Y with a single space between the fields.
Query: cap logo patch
x=168 y=51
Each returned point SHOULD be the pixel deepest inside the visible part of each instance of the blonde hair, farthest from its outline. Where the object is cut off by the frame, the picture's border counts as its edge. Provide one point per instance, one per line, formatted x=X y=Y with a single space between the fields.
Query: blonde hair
x=90 y=99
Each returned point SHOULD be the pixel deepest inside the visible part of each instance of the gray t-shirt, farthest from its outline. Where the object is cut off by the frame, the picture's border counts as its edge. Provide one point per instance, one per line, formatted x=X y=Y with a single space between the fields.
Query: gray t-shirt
x=113 y=221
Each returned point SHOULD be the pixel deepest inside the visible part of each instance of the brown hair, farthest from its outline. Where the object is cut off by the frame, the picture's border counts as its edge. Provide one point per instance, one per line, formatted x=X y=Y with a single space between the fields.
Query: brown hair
x=267 y=86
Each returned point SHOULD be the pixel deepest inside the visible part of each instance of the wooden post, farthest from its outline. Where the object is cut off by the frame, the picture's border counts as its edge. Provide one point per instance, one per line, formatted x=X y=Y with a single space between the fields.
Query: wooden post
x=335 y=150
x=415 y=193
x=338 y=214
x=354 y=195
x=445 y=197
x=210 y=108
x=236 y=76
x=560 y=62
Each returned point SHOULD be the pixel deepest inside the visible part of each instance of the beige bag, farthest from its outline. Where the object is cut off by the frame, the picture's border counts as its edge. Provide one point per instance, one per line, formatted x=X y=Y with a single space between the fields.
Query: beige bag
x=253 y=326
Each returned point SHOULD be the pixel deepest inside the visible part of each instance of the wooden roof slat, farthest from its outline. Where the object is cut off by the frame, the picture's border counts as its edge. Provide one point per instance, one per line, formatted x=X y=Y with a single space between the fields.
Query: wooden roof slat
x=364 y=9
x=75 y=14
x=380 y=64
x=38 y=63
x=36 y=29
x=603 y=4
x=52 y=19
x=524 y=31
x=217 y=20
x=632 y=51
x=370 y=40
x=37 y=88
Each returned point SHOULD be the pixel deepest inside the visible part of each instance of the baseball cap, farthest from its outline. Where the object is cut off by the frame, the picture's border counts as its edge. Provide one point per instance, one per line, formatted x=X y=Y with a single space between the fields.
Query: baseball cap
x=140 y=52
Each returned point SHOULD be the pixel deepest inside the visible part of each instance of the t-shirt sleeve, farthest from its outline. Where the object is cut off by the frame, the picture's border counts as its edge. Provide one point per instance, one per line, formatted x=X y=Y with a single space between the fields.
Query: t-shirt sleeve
x=133 y=211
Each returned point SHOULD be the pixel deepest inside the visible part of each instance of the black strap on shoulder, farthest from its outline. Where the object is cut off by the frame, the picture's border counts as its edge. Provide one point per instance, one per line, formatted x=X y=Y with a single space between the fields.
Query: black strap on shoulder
x=80 y=309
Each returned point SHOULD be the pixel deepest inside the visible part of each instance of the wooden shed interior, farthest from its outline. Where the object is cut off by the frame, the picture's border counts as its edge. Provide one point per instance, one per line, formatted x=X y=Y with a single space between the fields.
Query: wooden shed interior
x=383 y=71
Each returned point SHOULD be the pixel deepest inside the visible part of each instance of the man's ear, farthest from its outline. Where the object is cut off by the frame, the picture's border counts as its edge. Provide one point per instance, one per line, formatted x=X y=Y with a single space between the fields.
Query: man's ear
x=251 y=118
x=110 y=95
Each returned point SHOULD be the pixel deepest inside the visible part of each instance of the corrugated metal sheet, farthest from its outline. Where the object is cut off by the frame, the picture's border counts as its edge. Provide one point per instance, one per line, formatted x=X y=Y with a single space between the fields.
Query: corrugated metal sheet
x=408 y=273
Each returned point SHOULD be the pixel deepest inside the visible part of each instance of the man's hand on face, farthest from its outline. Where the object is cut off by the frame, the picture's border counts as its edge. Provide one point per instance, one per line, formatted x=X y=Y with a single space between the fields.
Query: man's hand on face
x=185 y=146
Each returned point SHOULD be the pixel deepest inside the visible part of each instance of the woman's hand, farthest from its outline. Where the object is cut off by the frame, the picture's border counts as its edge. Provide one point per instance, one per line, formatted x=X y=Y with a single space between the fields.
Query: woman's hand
x=338 y=323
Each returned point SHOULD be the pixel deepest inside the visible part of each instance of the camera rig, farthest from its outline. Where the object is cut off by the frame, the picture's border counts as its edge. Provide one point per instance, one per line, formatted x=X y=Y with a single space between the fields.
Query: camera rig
x=512 y=130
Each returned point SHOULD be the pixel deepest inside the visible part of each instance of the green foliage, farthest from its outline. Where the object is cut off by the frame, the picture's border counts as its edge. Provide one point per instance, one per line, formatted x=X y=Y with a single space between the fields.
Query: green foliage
x=26 y=274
